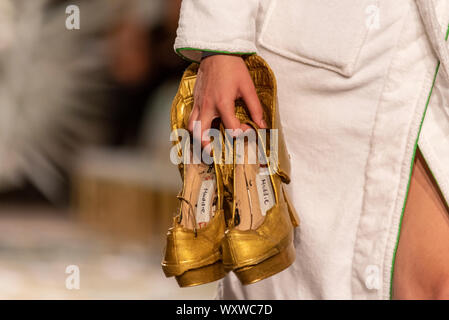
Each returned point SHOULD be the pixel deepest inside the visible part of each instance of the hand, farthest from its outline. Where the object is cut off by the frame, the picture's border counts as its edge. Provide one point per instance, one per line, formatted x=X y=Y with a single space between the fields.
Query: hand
x=220 y=81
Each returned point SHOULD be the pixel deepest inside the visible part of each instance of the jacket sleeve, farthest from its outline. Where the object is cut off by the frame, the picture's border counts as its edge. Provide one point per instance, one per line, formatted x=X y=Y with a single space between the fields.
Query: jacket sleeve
x=226 y=26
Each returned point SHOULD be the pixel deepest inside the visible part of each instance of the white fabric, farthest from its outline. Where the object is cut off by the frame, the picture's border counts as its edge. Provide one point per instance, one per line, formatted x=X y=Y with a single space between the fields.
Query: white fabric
x=433 y=141
x=216 y=25
x=433 y=28
x=352 y=91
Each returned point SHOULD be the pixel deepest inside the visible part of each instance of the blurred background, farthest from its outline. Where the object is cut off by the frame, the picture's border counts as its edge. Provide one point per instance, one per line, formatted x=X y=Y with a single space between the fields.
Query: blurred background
x=85 y=175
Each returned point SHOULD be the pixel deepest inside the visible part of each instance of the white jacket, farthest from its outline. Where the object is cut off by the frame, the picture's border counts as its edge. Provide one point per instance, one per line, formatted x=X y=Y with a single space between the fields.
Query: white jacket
x=355 y=79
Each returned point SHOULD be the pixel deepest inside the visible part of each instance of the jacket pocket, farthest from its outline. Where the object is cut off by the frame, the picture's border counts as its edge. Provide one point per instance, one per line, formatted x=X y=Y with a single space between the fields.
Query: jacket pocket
x=325 y=33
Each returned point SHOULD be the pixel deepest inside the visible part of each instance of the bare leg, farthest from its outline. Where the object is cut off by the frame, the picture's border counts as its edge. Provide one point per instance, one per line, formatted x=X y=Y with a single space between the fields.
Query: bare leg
x=422 y=260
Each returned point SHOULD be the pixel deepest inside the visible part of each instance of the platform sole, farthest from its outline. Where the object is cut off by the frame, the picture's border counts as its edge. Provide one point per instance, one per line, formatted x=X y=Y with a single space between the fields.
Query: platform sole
x=201 y=275
x=268 y=267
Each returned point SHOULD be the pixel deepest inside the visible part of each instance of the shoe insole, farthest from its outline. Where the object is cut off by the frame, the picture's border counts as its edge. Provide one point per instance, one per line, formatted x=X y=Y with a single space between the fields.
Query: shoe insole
x=254 y=194
x=200 y=191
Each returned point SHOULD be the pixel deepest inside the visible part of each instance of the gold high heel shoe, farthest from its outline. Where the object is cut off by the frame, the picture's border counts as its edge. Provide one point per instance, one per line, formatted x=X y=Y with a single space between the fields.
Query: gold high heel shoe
x=193 y=250
x=259 y=243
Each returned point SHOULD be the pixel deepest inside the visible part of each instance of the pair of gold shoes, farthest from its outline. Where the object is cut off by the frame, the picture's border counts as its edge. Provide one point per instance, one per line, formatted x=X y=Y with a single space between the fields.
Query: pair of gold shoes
x=232 y=217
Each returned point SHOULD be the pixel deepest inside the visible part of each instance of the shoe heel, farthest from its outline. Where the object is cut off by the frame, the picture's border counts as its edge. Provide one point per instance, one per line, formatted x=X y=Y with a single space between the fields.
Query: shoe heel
x=202 y=275
x=291 y=209
x=267 y=268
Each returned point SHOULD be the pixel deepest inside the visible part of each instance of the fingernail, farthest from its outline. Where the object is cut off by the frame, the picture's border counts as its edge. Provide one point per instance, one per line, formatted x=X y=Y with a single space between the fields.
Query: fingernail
x=263 y=124
x=245 y=127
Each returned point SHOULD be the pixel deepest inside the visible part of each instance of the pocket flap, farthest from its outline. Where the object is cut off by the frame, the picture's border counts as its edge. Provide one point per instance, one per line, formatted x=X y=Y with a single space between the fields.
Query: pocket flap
x=324 y=33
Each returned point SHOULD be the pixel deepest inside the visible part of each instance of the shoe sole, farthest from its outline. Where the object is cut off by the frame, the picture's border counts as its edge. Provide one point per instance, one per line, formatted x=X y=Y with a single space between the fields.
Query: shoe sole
x=206 y=274
x=268 y=267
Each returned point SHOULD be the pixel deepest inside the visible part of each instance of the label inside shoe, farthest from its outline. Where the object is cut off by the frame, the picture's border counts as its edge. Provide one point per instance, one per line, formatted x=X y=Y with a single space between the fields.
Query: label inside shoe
x=265 y=192
x=205 y=201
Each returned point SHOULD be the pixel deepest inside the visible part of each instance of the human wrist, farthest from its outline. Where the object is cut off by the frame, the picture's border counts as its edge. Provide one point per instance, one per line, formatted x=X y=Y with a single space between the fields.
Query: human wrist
x=206 y=54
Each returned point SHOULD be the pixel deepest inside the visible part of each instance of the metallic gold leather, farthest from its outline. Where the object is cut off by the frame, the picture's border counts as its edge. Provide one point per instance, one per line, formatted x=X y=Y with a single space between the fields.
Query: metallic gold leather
x=243 y=251
x=186 y=251
x=266 y=88
x=193 y=256
x=246 y=249
x=182 y=105
x=242 y=248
